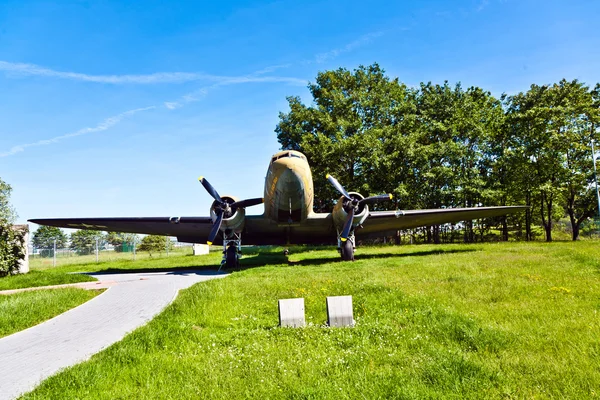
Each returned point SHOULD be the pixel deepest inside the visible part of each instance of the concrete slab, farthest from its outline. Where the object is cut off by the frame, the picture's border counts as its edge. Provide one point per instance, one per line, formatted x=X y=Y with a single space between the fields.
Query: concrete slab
x=291 y=313
x=131 y=300
x=339 y=311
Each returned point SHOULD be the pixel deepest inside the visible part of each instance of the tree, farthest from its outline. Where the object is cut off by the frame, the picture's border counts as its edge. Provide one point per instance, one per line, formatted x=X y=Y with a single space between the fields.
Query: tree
x=154 y=243
x=12 y=243
x=84 y=241
x=443 y=146
x=44 y=237
x=578 y=114
x=118 y=239
x=552 y=126
x=426 y=146
x=344 y=132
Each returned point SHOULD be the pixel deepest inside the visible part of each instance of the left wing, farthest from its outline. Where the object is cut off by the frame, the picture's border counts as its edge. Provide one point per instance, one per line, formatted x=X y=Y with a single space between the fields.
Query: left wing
x=197 y=227
x=381 y=221
x=257 y=231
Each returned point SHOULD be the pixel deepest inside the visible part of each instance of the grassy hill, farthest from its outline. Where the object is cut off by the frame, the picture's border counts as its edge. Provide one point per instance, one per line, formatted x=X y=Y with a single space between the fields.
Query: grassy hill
x=508 y=320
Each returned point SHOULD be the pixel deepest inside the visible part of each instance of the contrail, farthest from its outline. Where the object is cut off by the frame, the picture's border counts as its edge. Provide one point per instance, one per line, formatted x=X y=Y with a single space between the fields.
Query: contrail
x=102 y=126
x=16 y=69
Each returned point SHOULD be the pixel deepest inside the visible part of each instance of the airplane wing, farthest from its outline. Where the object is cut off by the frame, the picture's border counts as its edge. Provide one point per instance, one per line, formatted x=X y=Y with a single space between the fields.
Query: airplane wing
x=258 y=230
x=382 y=221
x=318 y=228
x=168 y=226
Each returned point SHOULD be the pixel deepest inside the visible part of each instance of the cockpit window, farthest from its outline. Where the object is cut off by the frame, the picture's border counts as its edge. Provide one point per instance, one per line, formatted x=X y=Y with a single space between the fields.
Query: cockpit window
x=288 y=154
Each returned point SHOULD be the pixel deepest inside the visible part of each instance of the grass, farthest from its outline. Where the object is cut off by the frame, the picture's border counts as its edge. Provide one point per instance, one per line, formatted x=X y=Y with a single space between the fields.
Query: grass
x=71 y=272
x=510 y=320
x=68 y=258
x=36 y=277
x=23 y=310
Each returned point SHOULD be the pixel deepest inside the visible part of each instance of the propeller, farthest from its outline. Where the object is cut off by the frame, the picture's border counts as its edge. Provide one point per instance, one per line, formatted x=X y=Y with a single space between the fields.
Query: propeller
x=224 y=209
x=351 y=204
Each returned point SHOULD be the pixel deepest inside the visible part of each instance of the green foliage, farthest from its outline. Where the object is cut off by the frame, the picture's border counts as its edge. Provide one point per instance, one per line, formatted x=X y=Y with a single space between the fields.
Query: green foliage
x=155 y=244
x=443 y=146
x=552 y=129
x=44 y=237
x=7 y=213
x=84 y=241
x=118 y=239
x=451 y=321
x=12 y=242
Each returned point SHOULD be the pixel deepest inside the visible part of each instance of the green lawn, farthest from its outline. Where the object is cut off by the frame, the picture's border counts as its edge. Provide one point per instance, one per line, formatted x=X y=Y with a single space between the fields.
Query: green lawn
x=23 y=310
x=66 y=259
x=69 y=272
x=37 y=277
x=510 y=320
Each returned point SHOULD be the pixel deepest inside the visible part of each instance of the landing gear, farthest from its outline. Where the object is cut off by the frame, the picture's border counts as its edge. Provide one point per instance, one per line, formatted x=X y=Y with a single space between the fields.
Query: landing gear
x=231 y=257
x=346 y=248
x=232 y=250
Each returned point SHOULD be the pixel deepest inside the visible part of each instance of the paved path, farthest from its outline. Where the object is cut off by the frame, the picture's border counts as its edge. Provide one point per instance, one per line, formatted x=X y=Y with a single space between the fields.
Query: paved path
x=131 y=300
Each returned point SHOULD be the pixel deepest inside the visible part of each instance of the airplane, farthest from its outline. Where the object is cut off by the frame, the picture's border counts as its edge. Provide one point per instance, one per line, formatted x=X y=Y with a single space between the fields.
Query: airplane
x=288 y=217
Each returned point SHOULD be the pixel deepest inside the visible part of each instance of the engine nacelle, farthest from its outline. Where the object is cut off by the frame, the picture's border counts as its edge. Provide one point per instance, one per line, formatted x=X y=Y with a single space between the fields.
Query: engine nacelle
x=340 y=212
x=234 y=217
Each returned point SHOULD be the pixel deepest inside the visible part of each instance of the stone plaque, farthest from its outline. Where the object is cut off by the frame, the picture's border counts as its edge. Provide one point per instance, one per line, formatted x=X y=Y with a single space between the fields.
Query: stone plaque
x=339 y=311
x=291 y=313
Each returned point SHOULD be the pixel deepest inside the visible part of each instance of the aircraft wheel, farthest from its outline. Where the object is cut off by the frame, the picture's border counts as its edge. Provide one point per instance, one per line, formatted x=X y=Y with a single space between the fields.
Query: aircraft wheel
x=231 y=259
x=347 y=251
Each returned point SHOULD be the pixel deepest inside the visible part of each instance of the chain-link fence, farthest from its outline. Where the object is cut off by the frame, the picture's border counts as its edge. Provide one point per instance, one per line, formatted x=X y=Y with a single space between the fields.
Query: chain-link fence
x=103 y=252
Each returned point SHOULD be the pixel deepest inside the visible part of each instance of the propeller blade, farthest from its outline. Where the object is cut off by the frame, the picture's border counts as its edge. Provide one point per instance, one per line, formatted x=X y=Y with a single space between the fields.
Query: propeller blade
x=347 y=225
x=248 y=203
x=338 y=186
x=375 y=199
x=215 y=229
x=210 y=189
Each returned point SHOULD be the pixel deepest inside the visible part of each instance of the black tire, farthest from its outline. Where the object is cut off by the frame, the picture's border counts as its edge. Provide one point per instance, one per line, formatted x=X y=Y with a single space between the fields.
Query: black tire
x=347 y=251
x=231 y=259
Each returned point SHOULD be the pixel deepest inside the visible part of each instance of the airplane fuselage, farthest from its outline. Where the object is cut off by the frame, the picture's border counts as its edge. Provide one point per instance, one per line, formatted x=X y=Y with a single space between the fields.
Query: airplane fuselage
x=289 y=191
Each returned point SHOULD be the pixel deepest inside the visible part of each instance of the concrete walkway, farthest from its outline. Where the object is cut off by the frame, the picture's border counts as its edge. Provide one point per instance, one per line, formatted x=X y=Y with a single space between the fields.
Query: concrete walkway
x=131 y=300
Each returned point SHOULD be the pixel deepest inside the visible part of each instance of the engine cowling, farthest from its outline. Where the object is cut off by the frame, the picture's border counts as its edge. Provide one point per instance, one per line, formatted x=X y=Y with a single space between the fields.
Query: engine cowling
x=233 y=218
x=341 y=209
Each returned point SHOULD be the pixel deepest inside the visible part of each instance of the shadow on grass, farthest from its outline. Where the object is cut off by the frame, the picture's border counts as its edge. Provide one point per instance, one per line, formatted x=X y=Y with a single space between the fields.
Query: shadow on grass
x=270 y=258
x=174 y=269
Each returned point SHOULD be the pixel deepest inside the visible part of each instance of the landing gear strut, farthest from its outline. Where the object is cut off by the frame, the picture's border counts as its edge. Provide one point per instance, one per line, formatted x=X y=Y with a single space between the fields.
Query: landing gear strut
x=346 y=247
x=232 y=250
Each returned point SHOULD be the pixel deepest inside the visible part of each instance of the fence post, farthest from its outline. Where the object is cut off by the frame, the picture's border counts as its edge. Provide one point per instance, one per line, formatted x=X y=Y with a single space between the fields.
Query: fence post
x=54 y=254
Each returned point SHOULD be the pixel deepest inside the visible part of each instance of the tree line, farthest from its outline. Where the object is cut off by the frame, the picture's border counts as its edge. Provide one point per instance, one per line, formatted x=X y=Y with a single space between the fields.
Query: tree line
x=84 y=241
x=440 y=145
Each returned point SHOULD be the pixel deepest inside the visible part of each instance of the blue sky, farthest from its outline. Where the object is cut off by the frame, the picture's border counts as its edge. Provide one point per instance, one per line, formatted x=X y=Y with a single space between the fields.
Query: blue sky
x=115 y=109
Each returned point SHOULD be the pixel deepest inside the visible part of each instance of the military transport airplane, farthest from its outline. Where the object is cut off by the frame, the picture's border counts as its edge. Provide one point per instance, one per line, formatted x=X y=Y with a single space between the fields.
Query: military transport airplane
x=288 y=217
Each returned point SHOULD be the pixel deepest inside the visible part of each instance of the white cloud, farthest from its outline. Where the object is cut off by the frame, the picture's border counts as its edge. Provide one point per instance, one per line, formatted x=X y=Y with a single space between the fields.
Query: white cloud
x=171 y=105
x=271 y=68
x=482 y=4
x=199 y=94
x=102 y=126
x=361 y=41
x=22 y=69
